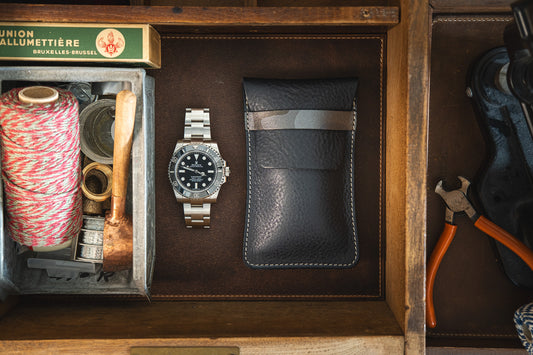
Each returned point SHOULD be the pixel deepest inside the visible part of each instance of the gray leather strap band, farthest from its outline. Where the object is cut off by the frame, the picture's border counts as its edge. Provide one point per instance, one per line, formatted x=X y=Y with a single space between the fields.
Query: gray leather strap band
x=301 y=119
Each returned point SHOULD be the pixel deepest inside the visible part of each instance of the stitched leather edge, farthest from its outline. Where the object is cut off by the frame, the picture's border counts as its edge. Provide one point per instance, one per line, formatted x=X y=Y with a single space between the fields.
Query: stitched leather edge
x=480 y=335
x=470 y=18
x=259 y=296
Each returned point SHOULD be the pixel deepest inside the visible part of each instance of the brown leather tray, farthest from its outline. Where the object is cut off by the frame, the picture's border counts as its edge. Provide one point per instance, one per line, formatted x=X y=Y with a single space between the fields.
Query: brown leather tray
x=473 y=297
x=207 y=71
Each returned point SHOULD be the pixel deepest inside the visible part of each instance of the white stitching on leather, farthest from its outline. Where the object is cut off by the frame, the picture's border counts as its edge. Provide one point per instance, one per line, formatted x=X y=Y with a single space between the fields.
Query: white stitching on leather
x=296 y=37
x=222 y=296
x=482 y=18
x=352 y=181
x=380 y=197
x=247 y=122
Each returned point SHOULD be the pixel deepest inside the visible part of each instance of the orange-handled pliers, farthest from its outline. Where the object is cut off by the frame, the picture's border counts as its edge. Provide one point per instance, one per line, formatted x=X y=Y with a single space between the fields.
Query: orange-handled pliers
x=456 y=201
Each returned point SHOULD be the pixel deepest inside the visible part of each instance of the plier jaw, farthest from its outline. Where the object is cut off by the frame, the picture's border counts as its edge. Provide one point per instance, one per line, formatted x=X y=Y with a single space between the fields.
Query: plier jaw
x=449 y=216
x=456 y=200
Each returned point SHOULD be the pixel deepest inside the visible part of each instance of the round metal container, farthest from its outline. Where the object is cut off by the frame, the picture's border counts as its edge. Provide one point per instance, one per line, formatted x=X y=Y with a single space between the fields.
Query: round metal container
x=97 y=124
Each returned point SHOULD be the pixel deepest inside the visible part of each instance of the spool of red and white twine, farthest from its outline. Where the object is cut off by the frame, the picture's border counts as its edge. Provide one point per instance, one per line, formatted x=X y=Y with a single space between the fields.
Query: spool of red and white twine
x=41 y=165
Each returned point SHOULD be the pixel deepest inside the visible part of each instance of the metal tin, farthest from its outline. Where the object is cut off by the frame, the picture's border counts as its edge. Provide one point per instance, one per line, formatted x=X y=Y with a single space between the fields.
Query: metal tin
x=15 y=276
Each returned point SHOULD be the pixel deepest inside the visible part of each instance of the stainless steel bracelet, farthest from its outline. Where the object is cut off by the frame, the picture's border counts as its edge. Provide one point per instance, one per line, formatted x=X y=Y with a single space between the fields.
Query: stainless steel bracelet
x=197 y=128
x=197 y=125
x=197 y=215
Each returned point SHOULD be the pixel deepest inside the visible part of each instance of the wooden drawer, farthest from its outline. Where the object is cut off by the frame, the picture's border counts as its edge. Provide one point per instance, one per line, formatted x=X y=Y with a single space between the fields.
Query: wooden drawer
x=392 y=320
x=474 y=300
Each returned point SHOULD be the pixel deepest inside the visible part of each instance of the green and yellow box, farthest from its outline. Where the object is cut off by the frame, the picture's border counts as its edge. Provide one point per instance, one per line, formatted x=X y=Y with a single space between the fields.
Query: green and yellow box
x=80 y=42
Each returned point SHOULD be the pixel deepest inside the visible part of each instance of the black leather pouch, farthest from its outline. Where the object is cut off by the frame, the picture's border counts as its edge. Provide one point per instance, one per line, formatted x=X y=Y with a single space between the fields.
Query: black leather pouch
x=300 y=139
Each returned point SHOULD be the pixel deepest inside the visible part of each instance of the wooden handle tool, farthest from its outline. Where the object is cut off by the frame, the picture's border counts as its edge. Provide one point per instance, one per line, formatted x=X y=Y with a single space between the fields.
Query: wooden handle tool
x=118 y=228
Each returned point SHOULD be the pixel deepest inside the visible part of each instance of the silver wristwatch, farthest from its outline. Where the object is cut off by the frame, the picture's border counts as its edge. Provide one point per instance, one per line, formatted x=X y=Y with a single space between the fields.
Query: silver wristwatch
x=197 y=170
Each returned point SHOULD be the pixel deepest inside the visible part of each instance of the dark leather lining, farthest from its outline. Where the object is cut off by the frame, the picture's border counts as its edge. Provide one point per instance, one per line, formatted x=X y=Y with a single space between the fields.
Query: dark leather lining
x=473 y=297
x=208 y=72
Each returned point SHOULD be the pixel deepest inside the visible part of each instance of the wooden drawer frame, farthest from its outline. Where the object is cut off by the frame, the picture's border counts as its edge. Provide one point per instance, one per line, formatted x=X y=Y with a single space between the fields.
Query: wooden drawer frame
x=395 y=325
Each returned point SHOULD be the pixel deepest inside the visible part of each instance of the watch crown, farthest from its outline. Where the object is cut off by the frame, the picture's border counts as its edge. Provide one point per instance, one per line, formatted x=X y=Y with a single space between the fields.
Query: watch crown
x=226 y=173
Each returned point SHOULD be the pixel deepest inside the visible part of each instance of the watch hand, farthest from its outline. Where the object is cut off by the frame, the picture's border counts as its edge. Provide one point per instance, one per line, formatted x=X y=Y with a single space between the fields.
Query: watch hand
x=194 y=170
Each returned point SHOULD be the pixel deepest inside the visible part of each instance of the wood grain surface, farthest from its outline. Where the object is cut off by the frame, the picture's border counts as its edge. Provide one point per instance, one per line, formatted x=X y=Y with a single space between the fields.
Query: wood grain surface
x=203 y=16
x=247 y=346
x=114 y=319
x=406 y=163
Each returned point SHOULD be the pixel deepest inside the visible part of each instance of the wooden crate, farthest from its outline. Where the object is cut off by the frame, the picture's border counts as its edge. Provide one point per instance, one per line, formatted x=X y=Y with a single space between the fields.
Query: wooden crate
x=393 y=324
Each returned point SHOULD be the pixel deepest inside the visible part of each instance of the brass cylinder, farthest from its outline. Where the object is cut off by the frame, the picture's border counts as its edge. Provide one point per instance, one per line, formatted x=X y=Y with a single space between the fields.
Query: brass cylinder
x=97 y=182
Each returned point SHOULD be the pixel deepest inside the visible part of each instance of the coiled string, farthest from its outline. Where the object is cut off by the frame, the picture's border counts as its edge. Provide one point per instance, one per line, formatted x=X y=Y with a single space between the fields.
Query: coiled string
x=41 y=169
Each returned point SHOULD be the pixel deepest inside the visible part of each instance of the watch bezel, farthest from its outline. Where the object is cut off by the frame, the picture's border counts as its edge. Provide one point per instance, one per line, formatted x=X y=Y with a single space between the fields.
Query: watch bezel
x=201 y=148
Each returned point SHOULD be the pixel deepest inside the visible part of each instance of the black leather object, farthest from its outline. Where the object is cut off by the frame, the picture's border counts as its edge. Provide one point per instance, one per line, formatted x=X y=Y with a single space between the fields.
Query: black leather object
x=300 y=211
x=312 y=94
x=504 y=186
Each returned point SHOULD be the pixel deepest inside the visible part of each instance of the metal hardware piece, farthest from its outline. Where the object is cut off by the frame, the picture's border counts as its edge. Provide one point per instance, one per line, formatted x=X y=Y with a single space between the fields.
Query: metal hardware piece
x=101 y=173
x=456 y=200
x=197 y=125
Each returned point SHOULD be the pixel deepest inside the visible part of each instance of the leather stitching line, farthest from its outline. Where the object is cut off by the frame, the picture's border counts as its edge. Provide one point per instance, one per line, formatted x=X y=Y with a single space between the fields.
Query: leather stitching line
x=445 y=334
x=159 y=297
x=380 y=197
x=269 y=37
x=352 y=181
x=247 y=118
x=442 y=19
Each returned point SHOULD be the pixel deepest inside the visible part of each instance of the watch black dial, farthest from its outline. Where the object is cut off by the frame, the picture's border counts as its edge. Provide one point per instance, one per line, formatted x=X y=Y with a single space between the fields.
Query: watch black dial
x=195 y=171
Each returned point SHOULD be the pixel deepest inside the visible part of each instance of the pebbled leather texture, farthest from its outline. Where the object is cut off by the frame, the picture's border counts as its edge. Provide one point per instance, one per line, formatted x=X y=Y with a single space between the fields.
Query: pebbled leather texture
x=300 y=211
x=306 y=94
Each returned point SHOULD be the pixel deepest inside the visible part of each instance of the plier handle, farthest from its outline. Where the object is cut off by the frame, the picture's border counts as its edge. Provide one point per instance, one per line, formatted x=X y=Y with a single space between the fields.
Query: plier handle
x=456 y=201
